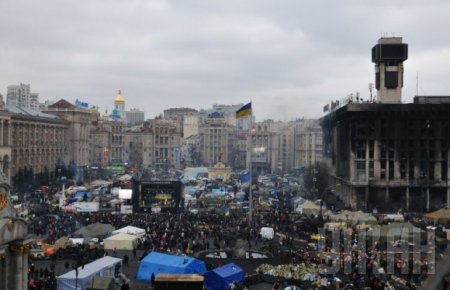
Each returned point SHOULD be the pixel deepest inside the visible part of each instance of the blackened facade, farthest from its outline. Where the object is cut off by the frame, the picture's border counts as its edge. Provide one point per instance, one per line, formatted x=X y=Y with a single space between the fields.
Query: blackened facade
x=390 y=156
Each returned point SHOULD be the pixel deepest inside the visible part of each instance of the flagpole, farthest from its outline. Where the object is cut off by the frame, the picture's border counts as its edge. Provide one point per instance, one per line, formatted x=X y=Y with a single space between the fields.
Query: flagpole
x=250 y=195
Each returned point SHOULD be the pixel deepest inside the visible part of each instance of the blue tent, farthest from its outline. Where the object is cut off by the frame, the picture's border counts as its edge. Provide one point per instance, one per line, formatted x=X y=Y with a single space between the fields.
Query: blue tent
x=155 y=263
x=192 y=191
x=81 y=194
x=221 y=278
x=219 y=191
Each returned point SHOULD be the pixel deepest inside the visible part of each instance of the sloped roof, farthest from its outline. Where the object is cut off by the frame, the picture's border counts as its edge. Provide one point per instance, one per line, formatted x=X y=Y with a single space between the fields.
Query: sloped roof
x=29 y=112
x=442 y=214
x=62 y=104
x=91 y=268
x=121 y=237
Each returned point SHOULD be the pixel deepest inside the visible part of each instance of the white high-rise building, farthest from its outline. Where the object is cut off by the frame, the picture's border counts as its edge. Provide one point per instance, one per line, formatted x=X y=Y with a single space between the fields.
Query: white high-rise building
x=20 y=96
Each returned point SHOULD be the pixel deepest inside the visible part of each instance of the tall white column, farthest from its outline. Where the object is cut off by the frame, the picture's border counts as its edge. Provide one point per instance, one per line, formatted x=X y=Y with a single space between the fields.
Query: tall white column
x=5 y=272
x=8 y=132
x=18 y=268
x=25 y=270
x=1 y=133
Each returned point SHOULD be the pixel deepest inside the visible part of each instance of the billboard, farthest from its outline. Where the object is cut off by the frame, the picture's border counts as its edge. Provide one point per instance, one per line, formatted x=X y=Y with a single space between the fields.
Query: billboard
x=125 y=193
x=157 y=194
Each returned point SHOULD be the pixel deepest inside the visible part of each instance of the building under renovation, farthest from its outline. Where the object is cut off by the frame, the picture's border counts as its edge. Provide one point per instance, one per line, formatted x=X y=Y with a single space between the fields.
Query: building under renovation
x=387 y=155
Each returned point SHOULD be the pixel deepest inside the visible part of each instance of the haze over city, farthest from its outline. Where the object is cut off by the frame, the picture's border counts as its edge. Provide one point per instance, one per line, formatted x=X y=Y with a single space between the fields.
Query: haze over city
x=290 y=58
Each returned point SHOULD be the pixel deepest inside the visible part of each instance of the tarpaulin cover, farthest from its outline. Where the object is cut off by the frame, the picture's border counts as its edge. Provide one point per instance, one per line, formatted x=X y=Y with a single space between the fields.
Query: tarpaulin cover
x=192 y=191
x=221 y=278
x=103 y=267
x=155 y=263
x=81 y=194
x=219 y=191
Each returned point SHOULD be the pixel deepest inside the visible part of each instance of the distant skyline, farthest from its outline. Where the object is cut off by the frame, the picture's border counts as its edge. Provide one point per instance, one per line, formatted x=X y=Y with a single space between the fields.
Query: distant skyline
x=290 y=58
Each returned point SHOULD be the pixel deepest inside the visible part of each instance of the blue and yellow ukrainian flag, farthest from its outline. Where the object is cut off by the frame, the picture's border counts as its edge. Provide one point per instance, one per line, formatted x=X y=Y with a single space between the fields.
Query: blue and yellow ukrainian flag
x=246 y=177
x=244 y=111
x=226 y=211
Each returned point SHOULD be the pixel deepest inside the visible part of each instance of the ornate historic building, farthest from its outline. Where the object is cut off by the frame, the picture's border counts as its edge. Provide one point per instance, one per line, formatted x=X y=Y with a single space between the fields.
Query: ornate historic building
x=14 y=243
x=37 y=141
x=179 y=116
x=216 y=140
x=307 y=142
x=5 y=141
x=107 y=143
x=77 y=136
x=166 y=139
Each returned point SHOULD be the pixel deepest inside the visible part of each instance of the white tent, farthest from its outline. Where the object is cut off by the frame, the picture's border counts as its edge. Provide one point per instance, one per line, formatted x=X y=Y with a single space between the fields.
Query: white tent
x=267 y=233
x=125 y=177
x=103 y=267
x=120 y=241
x=131 y=231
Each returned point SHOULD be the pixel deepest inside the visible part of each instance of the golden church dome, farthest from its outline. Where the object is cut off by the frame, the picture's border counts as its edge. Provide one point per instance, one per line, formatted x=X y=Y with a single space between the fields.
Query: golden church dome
x=119 y=98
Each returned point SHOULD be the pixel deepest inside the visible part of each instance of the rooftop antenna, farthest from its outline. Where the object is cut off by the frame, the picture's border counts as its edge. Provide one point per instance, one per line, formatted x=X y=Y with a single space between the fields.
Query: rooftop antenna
x=371 y=86
x=417 y=83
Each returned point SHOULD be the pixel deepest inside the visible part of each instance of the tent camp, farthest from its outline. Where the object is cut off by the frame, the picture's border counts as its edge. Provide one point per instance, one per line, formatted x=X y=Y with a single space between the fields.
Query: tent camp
x=354 y=217
x=441 y=215
x=308 y=208
x=101 y=283
x=396 y=231
x=131 y=231
x=267 y=233
x=120 y=241
x=97 y=230
x=103 y=267
x=155 y=263
x=125 y=177
x=221 y=278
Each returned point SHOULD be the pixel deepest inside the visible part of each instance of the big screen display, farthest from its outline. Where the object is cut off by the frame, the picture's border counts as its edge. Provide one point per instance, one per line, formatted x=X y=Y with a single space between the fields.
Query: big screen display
x=159 y=194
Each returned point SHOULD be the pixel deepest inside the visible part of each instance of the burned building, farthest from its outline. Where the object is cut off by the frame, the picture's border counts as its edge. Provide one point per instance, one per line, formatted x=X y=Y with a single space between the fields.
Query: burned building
x=385 y=154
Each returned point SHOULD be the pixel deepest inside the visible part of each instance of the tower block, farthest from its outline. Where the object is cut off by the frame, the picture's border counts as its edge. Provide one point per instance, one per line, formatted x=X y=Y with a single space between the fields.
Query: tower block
x=388 y=56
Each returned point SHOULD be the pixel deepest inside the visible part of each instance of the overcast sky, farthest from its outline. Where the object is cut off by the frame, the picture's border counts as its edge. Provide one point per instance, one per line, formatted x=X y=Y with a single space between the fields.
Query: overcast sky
x=289 y=57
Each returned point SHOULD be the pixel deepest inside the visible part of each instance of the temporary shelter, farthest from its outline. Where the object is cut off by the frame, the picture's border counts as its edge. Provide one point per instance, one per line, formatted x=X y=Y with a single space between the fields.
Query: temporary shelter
x=297 y=201
x=354 y=217
x=83 y=194
x=155 y=263
x=441 y=215
x=396 y=231
x=267 y=233
x=101 y=283
x=104 y=267
x=120 y=241
x=131 y=231
x=125 y=177
x=97 y=230
x=221 y=278
x=393 y=218
x=308 y=208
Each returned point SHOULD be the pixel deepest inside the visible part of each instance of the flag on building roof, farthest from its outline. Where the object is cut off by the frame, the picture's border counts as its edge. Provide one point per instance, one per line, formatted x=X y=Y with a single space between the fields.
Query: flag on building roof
x=245 y=111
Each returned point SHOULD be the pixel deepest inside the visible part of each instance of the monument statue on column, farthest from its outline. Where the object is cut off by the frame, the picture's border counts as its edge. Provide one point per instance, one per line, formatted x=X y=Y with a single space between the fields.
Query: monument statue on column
x=14 y=243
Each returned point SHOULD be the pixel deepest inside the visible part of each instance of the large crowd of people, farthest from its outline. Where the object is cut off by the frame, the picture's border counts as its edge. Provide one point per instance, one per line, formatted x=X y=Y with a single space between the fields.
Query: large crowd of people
x=210 y=229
